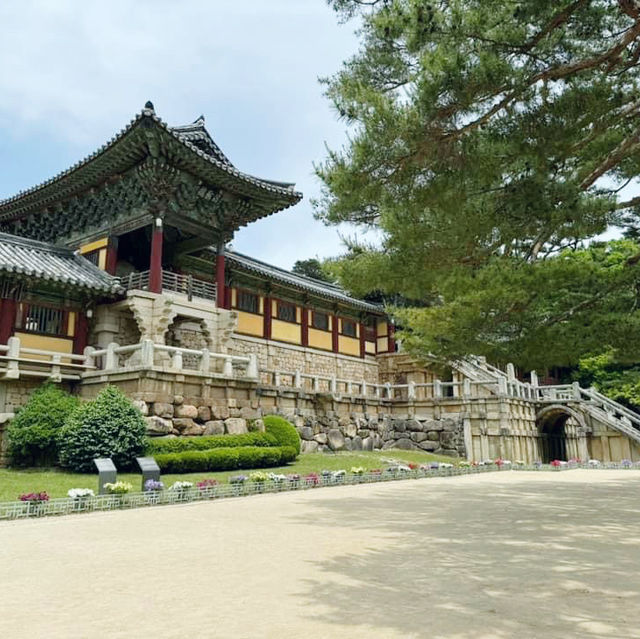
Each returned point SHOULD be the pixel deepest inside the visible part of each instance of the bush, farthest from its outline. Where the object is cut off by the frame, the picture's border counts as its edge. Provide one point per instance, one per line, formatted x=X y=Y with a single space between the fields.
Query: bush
x=179 y=444
x=108 y=426
x=195 y=461
x=34 y=431
x=284 y=432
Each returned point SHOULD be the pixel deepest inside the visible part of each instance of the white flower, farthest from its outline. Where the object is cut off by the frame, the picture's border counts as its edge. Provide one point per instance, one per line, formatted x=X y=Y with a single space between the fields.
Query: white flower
x=445 y=465
x=79 y=493
x=594 y=462
x=402 y=468
x=277 y=478
x=181 y=485
x=339 y=473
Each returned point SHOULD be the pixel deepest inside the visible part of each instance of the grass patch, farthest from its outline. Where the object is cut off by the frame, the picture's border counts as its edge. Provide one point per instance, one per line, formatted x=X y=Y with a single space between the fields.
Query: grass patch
x=57 y=482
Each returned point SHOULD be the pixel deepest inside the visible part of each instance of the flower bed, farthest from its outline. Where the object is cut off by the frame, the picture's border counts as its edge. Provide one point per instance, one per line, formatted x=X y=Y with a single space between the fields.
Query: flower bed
x=120 y=497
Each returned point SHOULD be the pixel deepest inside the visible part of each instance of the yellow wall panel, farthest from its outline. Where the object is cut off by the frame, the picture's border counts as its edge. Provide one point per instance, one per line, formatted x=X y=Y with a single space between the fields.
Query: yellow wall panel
x=382 y=328
x=234 y=297
x=71 y=324
x=320 y=339
x=383 y=344
x=94 y=246
x=45 y=343
x=286 y=331
x=349 y=345
x=250 y=324
x=370 y=348
x=102 y=259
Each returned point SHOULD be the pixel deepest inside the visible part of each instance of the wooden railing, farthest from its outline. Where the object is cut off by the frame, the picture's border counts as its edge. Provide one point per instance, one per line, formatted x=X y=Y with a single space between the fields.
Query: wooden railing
x=172 y=282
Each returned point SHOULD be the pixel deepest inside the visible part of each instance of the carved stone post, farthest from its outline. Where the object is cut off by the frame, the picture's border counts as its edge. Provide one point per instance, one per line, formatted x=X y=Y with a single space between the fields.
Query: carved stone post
x=13 y=370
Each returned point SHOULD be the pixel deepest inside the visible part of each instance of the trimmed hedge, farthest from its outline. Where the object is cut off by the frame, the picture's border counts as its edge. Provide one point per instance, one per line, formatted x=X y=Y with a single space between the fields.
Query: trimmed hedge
x=283 y=431
x=181 y=444
x=194 y=461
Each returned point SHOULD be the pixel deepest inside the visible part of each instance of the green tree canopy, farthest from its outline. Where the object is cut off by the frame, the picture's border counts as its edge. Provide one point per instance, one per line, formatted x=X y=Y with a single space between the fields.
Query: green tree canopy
x=312 y=267
x=489 y=143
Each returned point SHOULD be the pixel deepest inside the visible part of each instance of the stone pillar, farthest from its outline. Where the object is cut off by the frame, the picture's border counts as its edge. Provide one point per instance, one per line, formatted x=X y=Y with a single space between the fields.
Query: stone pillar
x=7 y=319
x=221 y=298
x=155 y=263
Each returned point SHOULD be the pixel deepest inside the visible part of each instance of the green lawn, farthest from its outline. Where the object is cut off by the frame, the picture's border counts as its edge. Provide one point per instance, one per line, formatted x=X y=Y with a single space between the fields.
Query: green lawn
x=56 y=483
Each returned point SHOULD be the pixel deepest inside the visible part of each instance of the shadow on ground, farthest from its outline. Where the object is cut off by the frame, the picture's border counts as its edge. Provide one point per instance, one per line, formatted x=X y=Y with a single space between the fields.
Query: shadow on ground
x=458 y=560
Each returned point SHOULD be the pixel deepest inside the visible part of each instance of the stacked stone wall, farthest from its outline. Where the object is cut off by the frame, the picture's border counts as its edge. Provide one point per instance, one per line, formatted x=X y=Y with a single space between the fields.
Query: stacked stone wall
x=310 y=361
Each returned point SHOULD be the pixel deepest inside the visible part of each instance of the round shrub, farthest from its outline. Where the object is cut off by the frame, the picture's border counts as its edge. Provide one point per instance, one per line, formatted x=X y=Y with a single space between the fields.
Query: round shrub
x=34 y=431
x=284 y=431
x=108 y=426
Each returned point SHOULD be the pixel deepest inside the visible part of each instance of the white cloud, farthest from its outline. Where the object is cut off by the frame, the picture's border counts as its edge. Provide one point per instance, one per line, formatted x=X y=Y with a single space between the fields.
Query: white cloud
x=73 y=73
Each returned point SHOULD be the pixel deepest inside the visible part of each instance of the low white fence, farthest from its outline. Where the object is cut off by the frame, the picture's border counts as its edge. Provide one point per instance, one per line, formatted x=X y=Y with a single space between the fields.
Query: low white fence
x=20 y=361
x=146 y=354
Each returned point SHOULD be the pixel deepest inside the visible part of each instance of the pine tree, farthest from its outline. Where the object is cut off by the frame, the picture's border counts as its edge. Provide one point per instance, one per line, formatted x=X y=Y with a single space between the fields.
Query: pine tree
x=489 y=142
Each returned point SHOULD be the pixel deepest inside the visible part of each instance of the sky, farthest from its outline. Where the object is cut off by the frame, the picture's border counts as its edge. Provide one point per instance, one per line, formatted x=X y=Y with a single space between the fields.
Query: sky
x=72 y=74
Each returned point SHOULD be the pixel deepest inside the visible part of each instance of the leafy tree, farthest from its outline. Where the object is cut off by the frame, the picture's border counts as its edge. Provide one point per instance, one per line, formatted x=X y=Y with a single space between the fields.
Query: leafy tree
x=618 y=380
x=312 y=267
x=33 y=432
x=108 y=426
x=489 y=144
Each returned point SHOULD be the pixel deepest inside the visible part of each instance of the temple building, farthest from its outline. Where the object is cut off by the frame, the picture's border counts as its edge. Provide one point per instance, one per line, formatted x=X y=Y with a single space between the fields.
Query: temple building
x=129 y=243
x=119 y=271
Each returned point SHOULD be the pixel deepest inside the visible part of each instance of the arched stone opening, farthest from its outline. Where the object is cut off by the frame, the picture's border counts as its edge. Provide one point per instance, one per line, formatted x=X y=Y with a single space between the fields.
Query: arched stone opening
x=554 y=423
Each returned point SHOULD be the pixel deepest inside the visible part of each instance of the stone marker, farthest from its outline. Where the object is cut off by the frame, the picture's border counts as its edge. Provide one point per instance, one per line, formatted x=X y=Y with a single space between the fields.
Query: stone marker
x=149 y=468
x=106 y=473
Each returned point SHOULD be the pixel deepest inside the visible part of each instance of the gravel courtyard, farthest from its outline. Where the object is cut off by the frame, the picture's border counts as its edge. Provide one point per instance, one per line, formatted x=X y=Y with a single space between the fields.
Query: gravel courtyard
x=510 y=554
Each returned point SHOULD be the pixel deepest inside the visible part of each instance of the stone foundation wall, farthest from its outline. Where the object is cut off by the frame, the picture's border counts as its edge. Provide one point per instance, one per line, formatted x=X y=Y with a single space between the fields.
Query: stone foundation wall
x=293 y=358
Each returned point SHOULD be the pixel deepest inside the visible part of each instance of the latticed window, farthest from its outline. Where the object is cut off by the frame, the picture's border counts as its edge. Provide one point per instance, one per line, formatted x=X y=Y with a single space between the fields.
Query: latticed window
x=320 y=321
x=93 y=257
x=349 y=328
x=248 y=302
x=40 y=319
x=286 y=312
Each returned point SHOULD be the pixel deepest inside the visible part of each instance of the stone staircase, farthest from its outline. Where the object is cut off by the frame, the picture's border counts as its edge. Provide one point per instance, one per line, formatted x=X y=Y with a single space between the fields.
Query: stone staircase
x=589 y=401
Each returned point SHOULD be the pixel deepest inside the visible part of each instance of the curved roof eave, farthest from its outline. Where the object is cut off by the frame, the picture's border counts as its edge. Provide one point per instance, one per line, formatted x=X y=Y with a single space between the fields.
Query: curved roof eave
x=30 y=198
x=316 y=288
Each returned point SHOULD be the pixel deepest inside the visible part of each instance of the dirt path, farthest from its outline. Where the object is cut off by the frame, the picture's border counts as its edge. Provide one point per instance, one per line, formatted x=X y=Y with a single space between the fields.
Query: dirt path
x=510 y=554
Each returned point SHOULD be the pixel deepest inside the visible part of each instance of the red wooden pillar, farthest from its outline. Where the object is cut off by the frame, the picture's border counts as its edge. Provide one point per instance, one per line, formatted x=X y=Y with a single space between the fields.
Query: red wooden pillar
x=112 y=255
x=304 y=327
x=267 y=318
x=334 y=333
x=81 y=333
x=362 y=344
x=221 y=290
x=155 y=263
x=7 y=319
x=391 y=330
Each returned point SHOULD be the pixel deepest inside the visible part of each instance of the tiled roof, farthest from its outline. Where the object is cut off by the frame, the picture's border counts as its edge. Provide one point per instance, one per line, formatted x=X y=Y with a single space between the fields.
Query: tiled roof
x=42 y=261
x=315 y=287
x=93 y=169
